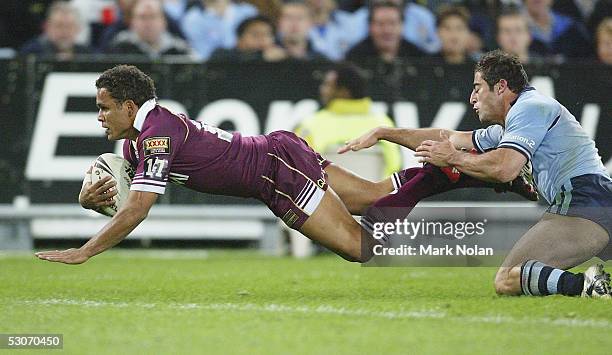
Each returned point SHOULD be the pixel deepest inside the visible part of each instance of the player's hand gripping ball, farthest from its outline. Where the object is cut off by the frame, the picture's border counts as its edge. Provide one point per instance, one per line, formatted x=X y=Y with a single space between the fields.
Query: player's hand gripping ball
x=120 y=171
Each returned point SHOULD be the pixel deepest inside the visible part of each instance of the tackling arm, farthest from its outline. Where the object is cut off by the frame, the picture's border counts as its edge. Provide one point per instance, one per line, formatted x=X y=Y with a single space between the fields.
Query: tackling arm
x=499 y=165
x=129 y=217
x=412 y=138
x=408 y=137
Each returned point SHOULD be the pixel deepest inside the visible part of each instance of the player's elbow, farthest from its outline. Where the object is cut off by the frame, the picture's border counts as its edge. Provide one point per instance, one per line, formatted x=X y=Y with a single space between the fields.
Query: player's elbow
x=135 y=214
x=503 y=173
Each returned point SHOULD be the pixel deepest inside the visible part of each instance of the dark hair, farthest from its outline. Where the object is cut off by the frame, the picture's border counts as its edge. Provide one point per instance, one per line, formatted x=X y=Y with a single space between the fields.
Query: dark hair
x=497 y=65
x=126 y=82
x=446 y=11
x=350 y=77
x=384 y=4
x=508 y=11
x=242 y=27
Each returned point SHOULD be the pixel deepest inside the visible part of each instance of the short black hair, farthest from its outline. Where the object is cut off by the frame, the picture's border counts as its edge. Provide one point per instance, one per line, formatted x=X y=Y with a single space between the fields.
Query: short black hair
x=242 y=27
x=126 y=82
x=374 y=5
x=508 y=11
x=446 y=11
x=497 y=65
x=351 y=78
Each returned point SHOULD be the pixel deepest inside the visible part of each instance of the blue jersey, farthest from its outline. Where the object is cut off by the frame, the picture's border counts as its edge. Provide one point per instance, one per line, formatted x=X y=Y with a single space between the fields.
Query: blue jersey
x=548 y=135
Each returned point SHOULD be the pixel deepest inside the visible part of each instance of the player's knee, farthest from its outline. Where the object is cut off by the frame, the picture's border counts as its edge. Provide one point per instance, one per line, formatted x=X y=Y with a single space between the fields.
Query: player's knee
x=501 y=287
x=372 y=191
x=358 y=258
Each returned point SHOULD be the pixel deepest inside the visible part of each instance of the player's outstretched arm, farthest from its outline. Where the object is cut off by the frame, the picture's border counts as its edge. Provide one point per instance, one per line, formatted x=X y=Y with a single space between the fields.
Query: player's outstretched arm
x=407 y=137
x=127 y=218
x=94 y=196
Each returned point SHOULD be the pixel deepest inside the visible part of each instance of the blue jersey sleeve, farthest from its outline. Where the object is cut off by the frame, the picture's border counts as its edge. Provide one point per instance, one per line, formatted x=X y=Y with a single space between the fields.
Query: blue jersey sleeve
x=485 y=139
x=526 y=127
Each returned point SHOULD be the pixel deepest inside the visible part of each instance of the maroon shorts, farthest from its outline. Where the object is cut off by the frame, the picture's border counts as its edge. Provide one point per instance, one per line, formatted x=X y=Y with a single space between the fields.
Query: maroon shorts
x=295 y=183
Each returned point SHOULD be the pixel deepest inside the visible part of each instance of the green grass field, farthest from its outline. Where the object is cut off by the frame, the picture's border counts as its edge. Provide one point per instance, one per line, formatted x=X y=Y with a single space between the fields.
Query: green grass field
x=127 y=302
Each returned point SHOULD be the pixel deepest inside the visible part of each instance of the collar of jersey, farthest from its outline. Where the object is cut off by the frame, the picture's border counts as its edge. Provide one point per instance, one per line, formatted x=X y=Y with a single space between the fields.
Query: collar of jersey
x=142 y=113
x=527 y=88
x=350 y=106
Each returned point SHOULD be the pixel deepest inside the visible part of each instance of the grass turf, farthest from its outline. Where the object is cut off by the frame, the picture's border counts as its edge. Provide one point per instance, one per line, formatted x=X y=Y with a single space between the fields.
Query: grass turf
x=241 y=302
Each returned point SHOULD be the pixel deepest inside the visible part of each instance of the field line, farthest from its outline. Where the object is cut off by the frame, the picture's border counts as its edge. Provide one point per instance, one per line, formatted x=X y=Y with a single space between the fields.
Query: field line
x=327 y=310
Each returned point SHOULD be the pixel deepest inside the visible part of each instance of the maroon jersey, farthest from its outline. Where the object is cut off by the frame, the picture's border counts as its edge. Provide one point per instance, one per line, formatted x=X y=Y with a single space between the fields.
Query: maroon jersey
x=172 y=148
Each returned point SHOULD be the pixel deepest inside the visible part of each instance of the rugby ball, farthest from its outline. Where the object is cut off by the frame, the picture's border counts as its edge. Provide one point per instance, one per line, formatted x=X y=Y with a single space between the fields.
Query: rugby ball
x=120 y=171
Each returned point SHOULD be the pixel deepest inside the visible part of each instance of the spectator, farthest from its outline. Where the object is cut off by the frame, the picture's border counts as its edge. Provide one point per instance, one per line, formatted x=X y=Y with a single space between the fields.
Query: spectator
x=513 y=34
x=148 y=34
x=213 y=25
x=385 y=42
x=556 y=34
x=454 y=32
x=334 y=31
x=419 y=26
x=603 y=9
x=123 y=18
x=268 y=8
x=61 y=30
x=347 y=113
x=294 y=25
x=255 y=42
x=603 y=37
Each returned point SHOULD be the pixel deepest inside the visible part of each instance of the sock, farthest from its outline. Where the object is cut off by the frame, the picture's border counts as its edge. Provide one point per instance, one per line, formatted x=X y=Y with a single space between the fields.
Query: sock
x=539 y=279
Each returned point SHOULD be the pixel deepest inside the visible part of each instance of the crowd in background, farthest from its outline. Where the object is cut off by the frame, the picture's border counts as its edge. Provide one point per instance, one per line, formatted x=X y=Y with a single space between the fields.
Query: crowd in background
x=364 y=32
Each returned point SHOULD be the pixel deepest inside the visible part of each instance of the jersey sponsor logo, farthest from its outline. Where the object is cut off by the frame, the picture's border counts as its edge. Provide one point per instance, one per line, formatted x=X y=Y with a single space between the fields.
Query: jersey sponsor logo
x=529 y=142
x=156 y=145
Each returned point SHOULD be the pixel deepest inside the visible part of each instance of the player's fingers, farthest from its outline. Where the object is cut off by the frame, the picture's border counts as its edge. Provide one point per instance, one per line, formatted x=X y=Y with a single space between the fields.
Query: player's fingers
x=345 y=148
x=109 y=202
x=101 y=182
x=48 y=254
x=104 y=188
x=357 y=147
x=422 y=153
x=428 y=143
x=45 y=252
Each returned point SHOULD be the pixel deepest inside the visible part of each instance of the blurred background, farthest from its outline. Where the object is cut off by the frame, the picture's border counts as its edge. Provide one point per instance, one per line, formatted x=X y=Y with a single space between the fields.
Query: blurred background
x=326 y=69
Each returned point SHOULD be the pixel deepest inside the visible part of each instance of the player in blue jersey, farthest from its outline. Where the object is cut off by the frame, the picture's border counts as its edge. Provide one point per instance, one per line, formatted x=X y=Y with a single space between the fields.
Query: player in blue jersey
x=526 y=126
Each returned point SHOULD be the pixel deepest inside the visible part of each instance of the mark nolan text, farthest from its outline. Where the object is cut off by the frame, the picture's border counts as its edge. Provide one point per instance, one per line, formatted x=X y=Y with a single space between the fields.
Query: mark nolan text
x=430 y=250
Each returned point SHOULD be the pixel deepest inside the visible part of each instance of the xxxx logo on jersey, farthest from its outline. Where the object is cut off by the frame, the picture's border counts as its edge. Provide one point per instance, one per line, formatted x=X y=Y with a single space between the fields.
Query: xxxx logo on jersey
x=156 y=145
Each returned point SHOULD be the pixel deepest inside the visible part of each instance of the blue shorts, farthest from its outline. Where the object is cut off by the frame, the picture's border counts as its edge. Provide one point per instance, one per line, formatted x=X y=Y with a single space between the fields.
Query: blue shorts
x=588 y=196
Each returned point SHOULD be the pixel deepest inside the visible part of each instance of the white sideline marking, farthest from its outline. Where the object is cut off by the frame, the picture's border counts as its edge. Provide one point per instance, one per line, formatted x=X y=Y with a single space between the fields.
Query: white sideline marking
x=331 y=310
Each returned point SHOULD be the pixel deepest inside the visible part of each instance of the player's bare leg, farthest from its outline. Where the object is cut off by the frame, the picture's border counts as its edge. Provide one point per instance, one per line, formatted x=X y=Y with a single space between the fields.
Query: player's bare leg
x=356 y=192
x=332 y=226
x=558 y=243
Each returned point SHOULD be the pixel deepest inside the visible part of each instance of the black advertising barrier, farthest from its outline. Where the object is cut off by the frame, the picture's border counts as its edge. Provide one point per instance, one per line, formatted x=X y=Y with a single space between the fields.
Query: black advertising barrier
x=49 y=131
